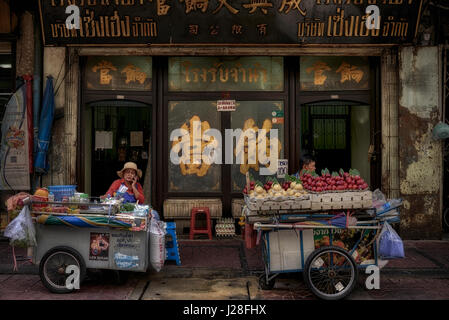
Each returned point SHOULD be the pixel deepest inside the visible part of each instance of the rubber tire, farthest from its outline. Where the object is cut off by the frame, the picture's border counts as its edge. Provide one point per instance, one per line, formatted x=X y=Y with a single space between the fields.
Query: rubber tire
x=69 y=250
x=307 y=267
x=263 y=283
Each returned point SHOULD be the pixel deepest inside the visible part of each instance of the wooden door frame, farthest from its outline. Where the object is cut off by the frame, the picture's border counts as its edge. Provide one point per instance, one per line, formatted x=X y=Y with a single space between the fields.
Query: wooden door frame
x=371 y=97
x=92 y=96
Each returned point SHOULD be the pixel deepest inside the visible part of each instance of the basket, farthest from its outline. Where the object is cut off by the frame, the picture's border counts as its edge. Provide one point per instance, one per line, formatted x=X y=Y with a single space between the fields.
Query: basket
x=62 y=191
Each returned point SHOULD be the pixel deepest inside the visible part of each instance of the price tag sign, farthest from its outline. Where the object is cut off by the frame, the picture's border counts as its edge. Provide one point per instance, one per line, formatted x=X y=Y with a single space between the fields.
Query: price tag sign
x=282 y=168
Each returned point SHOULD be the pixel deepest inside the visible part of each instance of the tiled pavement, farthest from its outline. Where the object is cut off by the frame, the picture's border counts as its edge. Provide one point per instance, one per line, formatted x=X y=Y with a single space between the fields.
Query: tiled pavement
x=225 y=269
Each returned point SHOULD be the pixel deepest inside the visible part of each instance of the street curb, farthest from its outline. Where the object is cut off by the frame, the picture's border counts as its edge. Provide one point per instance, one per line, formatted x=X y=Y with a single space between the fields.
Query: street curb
x=208 y=273
x=9 y=269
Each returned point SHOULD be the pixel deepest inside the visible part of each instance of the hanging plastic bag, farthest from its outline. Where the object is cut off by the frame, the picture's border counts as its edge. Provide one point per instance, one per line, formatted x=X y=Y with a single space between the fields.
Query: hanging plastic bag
x=21 y=231
x=378 y=199
x=390 y=244
x=155 y=215
x=157 y=244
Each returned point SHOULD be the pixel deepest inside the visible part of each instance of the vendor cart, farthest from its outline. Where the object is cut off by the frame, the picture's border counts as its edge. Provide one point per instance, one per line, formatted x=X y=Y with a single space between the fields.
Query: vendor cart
x=88 y=235
x=327 y=246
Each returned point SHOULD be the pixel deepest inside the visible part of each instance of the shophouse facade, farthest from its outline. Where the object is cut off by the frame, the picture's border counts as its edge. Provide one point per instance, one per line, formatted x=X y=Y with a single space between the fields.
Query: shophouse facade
x=355 y=97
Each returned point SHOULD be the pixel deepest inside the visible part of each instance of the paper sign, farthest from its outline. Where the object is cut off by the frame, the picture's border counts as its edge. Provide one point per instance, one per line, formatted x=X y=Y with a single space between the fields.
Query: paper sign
x=136 y=138
x=226 y=105
x=99 y=246
x=103 y=140
x=278 y=120
x=278 y=114
x=282 y=168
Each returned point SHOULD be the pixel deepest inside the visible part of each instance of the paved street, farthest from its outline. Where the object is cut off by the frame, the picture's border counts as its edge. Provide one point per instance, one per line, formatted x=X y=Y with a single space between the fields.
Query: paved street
x=226 y=270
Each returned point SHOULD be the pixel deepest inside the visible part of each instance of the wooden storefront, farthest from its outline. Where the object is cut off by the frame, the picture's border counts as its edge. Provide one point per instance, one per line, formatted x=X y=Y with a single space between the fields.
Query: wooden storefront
x=311 y=69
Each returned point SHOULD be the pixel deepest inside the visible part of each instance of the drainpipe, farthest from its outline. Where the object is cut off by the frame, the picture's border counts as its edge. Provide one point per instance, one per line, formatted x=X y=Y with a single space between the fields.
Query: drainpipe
x=37 y=90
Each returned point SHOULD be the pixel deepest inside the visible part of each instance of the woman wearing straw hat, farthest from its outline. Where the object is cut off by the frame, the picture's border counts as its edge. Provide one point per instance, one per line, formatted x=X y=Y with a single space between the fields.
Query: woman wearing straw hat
x=128 y=178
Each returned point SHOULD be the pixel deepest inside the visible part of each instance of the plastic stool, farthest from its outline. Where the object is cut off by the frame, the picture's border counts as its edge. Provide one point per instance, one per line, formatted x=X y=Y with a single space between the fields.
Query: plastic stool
x=193 y=229
x=171 y=246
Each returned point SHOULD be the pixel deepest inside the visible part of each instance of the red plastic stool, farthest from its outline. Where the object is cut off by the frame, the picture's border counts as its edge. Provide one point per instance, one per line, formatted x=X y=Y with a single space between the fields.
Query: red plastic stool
x=193 y=229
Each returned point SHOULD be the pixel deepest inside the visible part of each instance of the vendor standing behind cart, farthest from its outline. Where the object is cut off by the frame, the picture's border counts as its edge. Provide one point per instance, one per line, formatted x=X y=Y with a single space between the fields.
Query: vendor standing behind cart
x=128 y=178
x=306 y=164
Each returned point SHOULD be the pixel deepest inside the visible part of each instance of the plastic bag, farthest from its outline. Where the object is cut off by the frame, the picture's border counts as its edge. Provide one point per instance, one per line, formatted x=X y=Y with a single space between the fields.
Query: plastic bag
x=157 y=244
x=155 y=215
x=378 y=198
x=141 y=210
x=390 y=244
x=21 y=231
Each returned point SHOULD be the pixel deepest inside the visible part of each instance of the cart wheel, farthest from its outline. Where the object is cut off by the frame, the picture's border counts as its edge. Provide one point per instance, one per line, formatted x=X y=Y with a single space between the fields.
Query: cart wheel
x=331 y=273
x=264 y=285
x=53 y=266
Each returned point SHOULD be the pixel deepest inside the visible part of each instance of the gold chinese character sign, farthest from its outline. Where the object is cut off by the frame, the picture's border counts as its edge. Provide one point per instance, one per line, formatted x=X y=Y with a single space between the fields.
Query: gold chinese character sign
x=334 y=73
x=119 y=73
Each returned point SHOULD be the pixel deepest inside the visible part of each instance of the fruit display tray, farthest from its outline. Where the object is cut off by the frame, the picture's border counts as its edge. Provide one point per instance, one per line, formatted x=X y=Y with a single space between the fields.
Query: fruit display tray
x=278 y=203
x=342 y=200
x=313 y=202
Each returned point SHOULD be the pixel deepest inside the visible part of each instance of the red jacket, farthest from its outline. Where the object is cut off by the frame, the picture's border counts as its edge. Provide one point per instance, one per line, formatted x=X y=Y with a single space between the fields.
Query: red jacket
x=116 y=185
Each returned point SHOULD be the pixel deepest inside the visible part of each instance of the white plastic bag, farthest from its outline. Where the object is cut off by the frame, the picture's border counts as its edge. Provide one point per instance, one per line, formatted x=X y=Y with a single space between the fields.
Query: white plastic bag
x=157 y=244
x=21 y=231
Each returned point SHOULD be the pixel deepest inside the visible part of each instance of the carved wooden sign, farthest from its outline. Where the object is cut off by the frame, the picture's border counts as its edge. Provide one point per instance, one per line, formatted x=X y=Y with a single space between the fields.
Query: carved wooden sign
x=144 y=22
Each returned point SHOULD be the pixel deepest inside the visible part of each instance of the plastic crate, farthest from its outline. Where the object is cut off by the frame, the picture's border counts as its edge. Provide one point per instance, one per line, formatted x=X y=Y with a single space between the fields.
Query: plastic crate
x=62 y=191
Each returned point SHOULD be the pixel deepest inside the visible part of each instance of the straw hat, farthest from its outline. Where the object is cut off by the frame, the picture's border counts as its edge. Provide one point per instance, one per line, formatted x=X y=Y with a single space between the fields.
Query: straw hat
x=130 y=165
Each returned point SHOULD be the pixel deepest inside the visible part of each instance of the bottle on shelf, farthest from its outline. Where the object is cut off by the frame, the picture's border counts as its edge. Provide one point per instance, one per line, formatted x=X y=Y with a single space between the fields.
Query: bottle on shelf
x=51 y=197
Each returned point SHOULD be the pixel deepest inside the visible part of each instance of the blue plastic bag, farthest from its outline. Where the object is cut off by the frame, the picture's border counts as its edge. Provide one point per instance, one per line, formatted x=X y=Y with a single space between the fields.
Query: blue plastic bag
x=155 y=215
x=390 y=244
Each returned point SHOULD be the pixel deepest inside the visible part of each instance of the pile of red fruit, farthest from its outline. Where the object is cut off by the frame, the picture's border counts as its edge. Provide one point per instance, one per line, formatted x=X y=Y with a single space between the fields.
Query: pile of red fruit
x=285 y=185
x=267 y=185
x=252 y=185
x=332 y=182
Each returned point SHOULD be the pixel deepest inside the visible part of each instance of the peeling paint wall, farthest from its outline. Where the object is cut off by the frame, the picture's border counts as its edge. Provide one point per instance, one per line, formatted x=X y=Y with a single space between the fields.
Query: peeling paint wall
x=25 y=46
x=420 y=157
x=390 y=123
x=54 y=65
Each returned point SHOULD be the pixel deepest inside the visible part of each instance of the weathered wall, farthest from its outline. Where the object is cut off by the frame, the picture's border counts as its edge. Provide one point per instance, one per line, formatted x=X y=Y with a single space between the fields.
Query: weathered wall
x=389 y=124
x=54 y=65
x=420 y=168
x=25 y=46
x=62 y=64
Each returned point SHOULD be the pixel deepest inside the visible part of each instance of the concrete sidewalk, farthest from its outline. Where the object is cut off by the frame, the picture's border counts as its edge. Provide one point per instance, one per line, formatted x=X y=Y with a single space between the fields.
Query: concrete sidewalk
x=226 y=270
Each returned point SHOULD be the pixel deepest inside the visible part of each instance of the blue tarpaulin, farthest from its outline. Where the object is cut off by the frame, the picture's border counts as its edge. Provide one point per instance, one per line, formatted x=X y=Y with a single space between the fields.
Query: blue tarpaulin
x=45 y=124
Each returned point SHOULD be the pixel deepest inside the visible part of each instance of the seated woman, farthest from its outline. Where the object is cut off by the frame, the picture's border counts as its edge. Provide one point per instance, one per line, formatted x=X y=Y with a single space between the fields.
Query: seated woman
x=128 y=177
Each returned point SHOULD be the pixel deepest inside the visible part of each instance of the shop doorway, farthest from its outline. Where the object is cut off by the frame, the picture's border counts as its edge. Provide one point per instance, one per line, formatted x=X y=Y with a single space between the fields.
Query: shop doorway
x=337 y=134
x=121 y=132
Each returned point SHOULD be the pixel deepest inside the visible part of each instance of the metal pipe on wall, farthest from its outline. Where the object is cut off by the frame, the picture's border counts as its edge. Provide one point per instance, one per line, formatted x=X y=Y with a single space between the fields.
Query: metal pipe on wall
x=37 y=89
